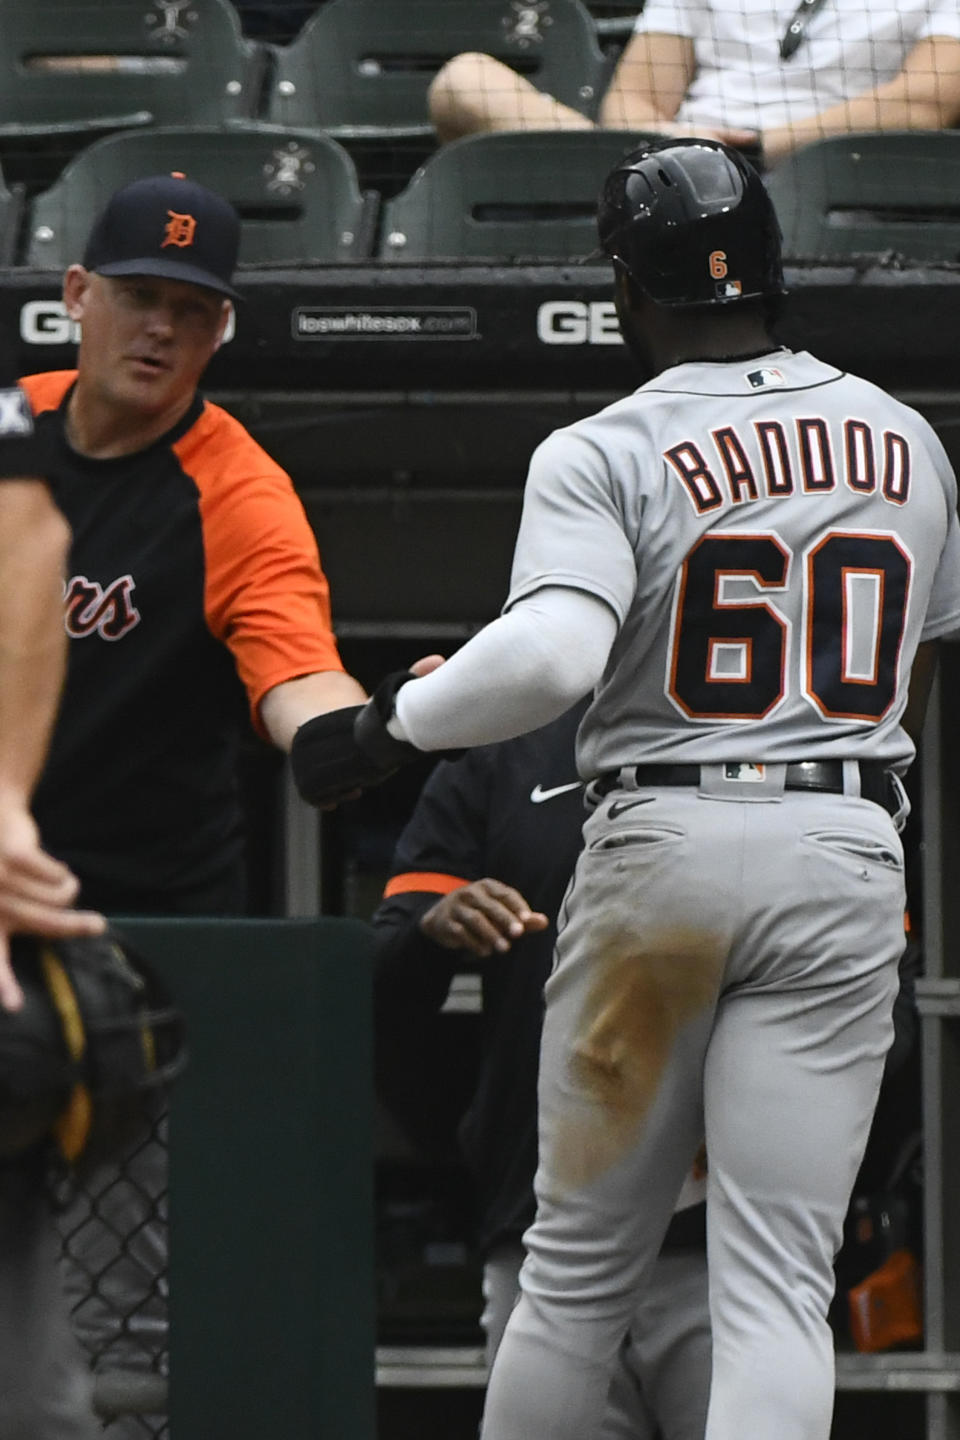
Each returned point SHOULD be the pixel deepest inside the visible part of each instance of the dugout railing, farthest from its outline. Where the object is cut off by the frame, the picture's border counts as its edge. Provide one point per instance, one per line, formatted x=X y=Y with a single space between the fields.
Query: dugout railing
x=270 y=1201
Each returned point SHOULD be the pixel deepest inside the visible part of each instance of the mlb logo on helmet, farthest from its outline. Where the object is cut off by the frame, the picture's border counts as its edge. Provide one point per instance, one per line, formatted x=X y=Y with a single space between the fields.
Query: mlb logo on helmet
x=729 y=290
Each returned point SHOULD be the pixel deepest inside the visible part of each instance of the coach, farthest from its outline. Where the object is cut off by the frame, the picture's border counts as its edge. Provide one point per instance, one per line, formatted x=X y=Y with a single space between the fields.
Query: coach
x=194 y=594
x=195 y=588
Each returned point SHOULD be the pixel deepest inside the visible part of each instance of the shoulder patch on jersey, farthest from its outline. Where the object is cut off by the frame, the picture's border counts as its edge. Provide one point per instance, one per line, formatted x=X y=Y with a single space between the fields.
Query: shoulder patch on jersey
x=15 y=416
x=767 y=375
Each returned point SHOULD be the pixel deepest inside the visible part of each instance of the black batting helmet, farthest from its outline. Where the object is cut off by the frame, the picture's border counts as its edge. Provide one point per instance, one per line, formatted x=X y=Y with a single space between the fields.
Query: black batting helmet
x=691 y=223
x=96 y=1030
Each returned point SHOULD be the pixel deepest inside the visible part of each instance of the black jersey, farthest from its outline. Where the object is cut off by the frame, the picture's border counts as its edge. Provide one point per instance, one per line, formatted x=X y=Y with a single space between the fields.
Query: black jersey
x=194 y=578
x=511 y=812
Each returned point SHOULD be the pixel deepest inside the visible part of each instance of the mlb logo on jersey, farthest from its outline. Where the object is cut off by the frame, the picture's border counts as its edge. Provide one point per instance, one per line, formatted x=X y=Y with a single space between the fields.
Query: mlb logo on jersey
x=767 y=375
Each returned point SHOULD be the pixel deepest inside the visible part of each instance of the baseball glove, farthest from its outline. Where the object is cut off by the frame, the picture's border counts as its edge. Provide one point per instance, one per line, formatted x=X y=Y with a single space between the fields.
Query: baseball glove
x=95 y=1032
x=337 y=754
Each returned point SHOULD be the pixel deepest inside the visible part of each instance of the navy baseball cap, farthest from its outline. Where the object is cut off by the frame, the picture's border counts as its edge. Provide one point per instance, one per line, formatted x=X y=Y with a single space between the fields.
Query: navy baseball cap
x=168 y=226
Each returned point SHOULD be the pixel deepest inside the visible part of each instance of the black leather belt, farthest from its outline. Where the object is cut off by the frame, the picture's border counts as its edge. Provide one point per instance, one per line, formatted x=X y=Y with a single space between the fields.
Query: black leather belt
x=875 y=780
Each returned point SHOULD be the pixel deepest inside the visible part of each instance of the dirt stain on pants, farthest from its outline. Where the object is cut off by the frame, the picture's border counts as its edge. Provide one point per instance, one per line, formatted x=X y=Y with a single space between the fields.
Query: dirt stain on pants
x=641 y=994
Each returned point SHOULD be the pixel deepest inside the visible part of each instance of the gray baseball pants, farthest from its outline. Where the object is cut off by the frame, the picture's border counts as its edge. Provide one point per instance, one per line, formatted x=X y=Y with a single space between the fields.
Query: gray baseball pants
x=725 y=967
x=661 y=1382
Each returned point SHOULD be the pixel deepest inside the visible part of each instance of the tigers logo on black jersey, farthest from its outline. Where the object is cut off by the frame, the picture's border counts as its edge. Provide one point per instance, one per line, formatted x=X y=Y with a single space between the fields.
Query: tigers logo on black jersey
x=92 y=609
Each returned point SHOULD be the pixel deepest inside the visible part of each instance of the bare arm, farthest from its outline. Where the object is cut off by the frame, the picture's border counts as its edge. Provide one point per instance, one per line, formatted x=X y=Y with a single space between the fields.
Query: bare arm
x=921 y=680
x=474 y=93
x=648 y=87
x=649 y=83
x=924 y=96
x=35 y=889
x=284 y=708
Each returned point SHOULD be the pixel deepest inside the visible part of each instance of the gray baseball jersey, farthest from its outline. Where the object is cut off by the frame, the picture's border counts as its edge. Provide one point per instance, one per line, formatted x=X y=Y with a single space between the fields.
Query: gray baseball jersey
x=752 y=627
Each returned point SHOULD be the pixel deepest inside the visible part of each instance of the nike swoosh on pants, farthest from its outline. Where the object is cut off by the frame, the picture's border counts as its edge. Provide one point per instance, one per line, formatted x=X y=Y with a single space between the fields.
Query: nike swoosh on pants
x=619 y=806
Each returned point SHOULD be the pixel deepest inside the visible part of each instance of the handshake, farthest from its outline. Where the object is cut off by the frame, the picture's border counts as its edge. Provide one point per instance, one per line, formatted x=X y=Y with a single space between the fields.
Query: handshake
x=335 y=755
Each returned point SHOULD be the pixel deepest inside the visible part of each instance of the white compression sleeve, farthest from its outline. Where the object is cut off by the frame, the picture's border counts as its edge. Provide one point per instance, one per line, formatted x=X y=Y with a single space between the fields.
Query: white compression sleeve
x=516 y=674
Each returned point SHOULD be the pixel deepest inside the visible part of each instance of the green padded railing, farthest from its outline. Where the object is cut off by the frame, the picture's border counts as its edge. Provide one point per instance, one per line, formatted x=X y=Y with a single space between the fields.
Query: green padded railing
x=271 y=1166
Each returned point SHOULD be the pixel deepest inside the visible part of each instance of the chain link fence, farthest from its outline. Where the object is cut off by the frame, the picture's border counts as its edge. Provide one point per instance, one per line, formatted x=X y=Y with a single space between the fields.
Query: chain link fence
x=112 y=1220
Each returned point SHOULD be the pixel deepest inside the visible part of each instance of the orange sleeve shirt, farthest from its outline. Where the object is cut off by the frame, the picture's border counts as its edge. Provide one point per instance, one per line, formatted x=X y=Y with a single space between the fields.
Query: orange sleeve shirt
x=194 y=588
x=265 y=596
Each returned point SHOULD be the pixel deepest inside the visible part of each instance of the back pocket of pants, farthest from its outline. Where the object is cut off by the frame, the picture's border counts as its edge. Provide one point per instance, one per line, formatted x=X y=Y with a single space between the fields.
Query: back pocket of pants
x=646 y=837
x=853 y=845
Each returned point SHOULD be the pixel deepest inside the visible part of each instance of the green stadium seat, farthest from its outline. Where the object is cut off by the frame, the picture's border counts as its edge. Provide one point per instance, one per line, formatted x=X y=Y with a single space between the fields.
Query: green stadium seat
x=507 y=196
x=71 y=67
x=872 y=194
x=296 y=191
x=362 y=68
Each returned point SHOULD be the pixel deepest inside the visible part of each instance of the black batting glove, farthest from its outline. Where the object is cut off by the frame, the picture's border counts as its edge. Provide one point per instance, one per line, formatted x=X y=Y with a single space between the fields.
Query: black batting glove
x=336 y=754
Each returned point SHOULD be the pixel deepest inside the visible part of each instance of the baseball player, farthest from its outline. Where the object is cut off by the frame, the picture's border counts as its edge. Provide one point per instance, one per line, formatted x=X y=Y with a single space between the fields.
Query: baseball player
x=750 y=559
x=478 y=877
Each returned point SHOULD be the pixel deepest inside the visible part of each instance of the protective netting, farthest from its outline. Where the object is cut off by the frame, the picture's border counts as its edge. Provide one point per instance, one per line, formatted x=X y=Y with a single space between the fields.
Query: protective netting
x=849 y=108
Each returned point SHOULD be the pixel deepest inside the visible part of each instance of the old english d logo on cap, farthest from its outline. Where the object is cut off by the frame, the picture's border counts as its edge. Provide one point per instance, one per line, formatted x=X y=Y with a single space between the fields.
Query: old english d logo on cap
x=180 y=230
x=168 y=226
